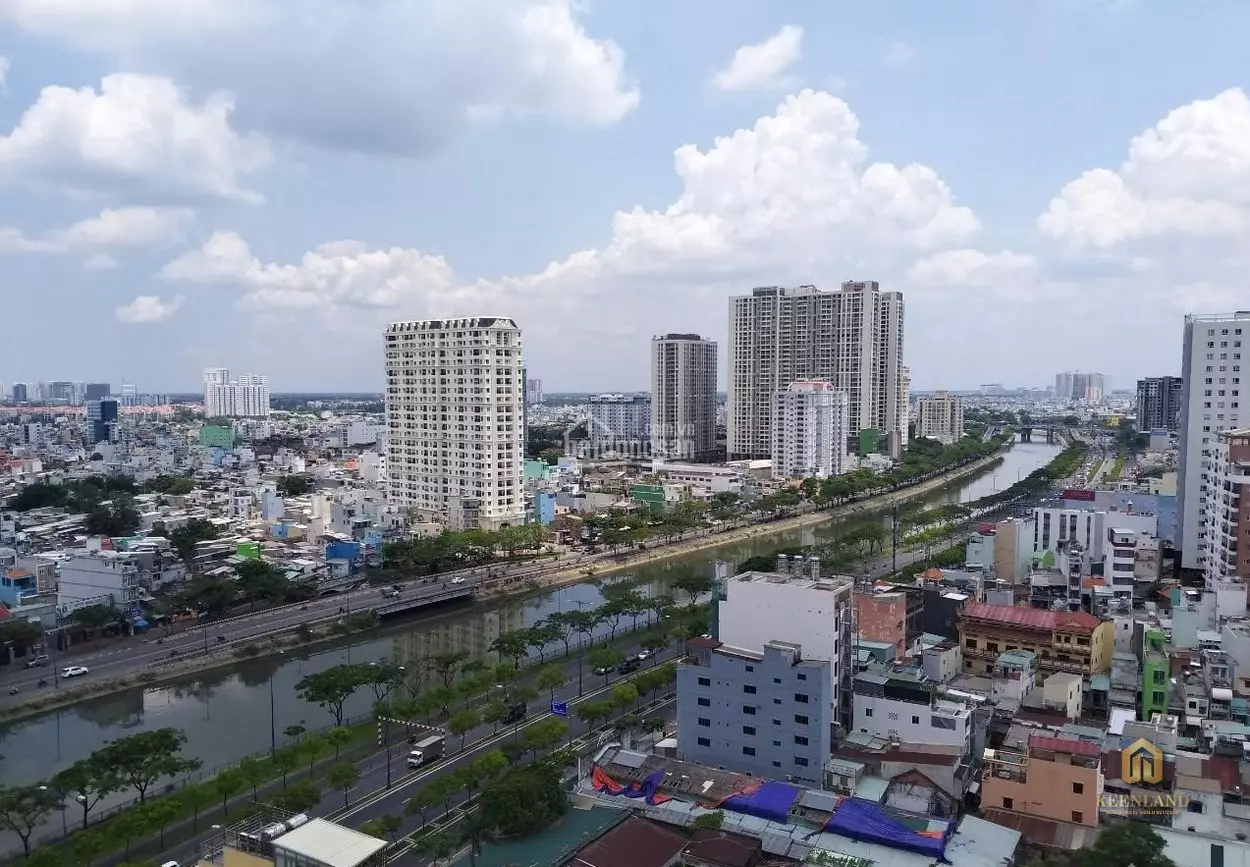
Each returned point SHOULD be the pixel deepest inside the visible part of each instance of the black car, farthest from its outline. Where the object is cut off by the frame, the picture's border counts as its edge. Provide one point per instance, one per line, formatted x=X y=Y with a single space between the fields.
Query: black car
x=516 y=713
x=628 y=666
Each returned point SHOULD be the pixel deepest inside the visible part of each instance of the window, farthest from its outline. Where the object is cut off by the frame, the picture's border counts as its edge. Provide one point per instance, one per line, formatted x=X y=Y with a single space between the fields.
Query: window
x=748 y=688
x=705 y=742
x=748 y=709
x=915 y=720
x=867 y=711
x=748 y=751
x=705 y=681
x=776 y=764
x=748 y=730
x=802 y=677
x=1078 y=788
x=705 y=702
x=801 y=740
x=750 y=668
x=942 y=722
x=776 y=680
x=776 y=701
x=1194 y=806
x=800 y=697
x=705 y=722
x=802 y=719
x=1007 y=803
x=1078 y=816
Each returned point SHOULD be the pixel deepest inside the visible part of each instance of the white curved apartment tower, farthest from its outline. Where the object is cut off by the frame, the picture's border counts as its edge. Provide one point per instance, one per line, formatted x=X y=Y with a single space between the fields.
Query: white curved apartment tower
x=455 y=417
x=809 y=430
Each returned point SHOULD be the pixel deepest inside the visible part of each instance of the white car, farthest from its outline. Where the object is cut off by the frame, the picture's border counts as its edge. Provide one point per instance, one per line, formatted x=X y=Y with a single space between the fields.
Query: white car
x=459 y=579
x=74 y=670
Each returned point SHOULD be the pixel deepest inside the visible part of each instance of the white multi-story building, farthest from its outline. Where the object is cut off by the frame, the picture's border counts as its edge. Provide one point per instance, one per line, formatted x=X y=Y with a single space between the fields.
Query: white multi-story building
x=907 y=710
x=618 y=421
x=683 y=397
x=455 y=414
x=851 y=337
x=940 y=417
x=1056 y=529
x=809 y=610
x=1210 y=403
x=245 y=397
x=809 y=429
x=533 y=391
x=1226 y=476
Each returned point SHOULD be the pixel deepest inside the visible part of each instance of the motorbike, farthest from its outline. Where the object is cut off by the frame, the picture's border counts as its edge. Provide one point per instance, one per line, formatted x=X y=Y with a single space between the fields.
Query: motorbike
x=221 y=639
x=13 y=690
x=303 y=607
x=43 y=682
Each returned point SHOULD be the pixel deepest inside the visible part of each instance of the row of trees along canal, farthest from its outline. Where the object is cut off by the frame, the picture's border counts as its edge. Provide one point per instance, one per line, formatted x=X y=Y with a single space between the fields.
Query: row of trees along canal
x=921 y=527
x=107 y=502
x=449 y=689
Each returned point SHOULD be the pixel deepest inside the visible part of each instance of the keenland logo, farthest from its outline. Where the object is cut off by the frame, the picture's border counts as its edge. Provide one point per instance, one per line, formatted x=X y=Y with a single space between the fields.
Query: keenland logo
x=1141 y=764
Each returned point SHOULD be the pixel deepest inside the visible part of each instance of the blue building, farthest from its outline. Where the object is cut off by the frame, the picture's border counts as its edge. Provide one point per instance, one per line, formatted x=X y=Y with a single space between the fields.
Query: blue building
x=101 y=416
x=767 y=713
x=544 y=507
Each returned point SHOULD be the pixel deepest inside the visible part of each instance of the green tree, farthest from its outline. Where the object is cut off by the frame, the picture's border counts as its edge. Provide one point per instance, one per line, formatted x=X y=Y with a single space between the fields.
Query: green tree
x=23 y=809
x=462 y=722
x=330 y=689
x=713 y=820
x=160 y=813
x=551 y=678
x=1125 y=844
x=593 y=712
x=544 y=735
x=129 y=825
x=342 y=776
x=561 y=628
x=312 y=748
x=611 y=613
x=511 y=645
x=300 y=798
x=654 y=643
x=87 y=846
x=195 y=799
x=523 y=801
x=139 y=760
x=285 y=760
x=294 y=485
x=494 y=713
x=227 y=784
x=385 y=826
x=623 y=695
x=420 y=803
x=604 y=659
x=89 y=781
x=47 y=856
x=693 y=586
x=294 y=731
x=253 y=772
x=338 y=738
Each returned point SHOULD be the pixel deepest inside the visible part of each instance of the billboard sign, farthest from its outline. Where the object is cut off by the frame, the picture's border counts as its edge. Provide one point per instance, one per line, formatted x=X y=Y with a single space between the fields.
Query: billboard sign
x=1078 y=494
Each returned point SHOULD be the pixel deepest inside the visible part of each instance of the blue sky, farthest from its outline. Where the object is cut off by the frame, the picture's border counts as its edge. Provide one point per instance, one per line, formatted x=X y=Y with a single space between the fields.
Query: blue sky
x=180 y=177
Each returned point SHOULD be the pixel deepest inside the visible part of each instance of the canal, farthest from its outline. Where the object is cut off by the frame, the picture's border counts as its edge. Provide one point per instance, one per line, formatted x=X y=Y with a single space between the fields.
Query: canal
x=226 y=713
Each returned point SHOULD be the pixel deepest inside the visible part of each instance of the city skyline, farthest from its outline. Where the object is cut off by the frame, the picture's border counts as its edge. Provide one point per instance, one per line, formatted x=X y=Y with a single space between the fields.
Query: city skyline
x=654 y=176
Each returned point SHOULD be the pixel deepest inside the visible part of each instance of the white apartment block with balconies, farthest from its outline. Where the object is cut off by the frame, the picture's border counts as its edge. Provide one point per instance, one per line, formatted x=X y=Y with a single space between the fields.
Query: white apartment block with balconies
x=455 y=415
x=809 y=430
x=245 y=397
x=618 y=419
x=1210 y=403
x=1224 y=561
x=940 y=417
x=851 y=337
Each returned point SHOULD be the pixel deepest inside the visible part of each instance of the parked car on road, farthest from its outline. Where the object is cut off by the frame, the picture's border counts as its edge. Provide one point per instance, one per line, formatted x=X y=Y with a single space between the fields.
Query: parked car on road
x=41 y=659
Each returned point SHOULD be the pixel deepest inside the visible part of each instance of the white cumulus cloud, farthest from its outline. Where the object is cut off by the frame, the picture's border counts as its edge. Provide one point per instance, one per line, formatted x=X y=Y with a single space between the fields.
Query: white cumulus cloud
x=100 y=262
x=136 y=136
x=128 y=227
x=1187 y=175
x=395 y=77
x=763 y=64
x=146 y=309
x=793 y=198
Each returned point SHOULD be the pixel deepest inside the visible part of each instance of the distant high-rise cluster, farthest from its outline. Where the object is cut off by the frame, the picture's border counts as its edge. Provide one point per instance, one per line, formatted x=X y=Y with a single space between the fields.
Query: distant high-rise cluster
x=455 y=417
x=683 y=397
x=851 y=337
x=244 y=397
x=533 y=392
x=1080 y=387
x=102 y=417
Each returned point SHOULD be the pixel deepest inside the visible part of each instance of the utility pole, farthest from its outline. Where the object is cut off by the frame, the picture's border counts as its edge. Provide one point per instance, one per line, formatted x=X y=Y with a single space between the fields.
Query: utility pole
x=894 y=538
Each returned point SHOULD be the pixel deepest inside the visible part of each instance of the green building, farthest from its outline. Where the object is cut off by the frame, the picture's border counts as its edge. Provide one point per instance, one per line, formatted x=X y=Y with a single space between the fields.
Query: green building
x=1156 y=674
x=248 y=550
x=650 y=497
x=220 y=436
x=869 y=441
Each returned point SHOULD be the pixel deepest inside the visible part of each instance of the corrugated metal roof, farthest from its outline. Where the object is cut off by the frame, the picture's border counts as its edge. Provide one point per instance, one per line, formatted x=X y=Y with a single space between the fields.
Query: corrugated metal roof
x=330 y=844
x=1032 y=618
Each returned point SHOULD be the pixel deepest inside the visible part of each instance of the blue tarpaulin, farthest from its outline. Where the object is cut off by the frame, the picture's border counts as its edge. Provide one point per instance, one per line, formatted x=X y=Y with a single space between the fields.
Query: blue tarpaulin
x=870 y=822
x=769 y=800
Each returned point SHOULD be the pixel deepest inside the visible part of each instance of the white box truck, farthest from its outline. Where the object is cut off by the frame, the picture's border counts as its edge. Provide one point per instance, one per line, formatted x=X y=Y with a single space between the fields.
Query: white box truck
x=426 y=751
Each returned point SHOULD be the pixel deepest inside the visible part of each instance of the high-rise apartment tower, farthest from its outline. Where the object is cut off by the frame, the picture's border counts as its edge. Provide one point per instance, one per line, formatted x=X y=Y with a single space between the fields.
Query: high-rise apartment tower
x=683 y=397
x=1159 y=402
x=851 y=337
x=455 y=416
